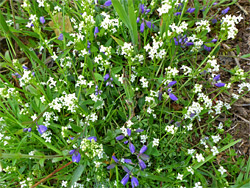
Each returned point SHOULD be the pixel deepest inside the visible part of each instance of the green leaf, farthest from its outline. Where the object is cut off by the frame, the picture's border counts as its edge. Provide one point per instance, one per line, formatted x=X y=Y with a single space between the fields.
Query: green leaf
x=117 y=69
x=77 y=174
x=245 y=56
x=57 y=159
x=132 y=19
x=98 y=77
x=118 y=41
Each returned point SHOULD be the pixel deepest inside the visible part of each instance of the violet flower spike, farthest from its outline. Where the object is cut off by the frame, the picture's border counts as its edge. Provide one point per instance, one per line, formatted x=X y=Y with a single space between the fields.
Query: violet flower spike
x=108 y=3
x=115 y=159
x=125 y=179
x=132 y=148
x=220 y=84
x=129 y=132
x=60 y=37
x=216 y=78
x=96 y=31
x=134 y=182
x=172 y=83
x=225 y=10
x=142 y=27
x=173 y=97
x=149 y=24
x=143 y=149
x=207 y=48
x=142 y=164
x=141 y=8
x=177 y=13
x=128 y=161
x=42 y=129
x=42 y=20
x=106 y=77
x=138 y=20
x=92 y=138
x=76 y=157
x=119 y=137
x=190 y=10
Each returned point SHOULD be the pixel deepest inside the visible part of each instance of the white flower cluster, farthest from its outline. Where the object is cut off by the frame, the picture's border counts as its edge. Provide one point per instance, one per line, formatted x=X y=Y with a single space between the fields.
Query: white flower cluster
x=26 y=78
x=197 y=42
x=205 y=99
x=47 y=136
x=187 y=70
x=127 y=49
x=26 y=183
x=242 y=85
x=214 y=150
x=92 y=149
x=178 y=29
x=213 y=63
x=171 y=72
x=155 y=142
x=153 y=51
x=96 y=98
x=144 y=138
x=109 y=24
x=229 y=24
x=106 y=50
x=81 y=81
x=166 y=6
x=8 y=92
x=66 y=102
x=144 y=82
x=171 y=129
x=194 y=110
x=88 y=22
x=240 y=74
x=203 y=25
x=199 y=157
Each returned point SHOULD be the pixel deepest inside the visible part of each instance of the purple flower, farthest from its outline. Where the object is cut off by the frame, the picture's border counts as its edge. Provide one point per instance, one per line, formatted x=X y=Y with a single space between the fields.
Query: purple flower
x=220 y=84
x=141 y=8
x=177 y=13
x=142 y=164
x=173 y=97
x=190 y=10
x=225 y=10
x=107 y=3
x=106 y=77
x=134 y=182
x=131 y=147
x=128 y=131
x=172 y=83
x=41 y=129
x=149 y=24
x=76 y=157
x=115 y=159
x=42 y=20
x=189 y=43
x=125 y=169
x=214 y=21
x=125 y=179
x=144 y=156
x=16 y=74
x=138 y=19
x=142 y=27
x=143 y=149
x=26 y=68
x=29 y=129
x=127 y=161
x=111 y=166
x=125 y=142
x=139 y=130
x=96 y=31
x=207 y=48
x=60 y=37
x=214 y=40
x=92 y=138
x=192 y=115
x=147 y=11
x=119 y=137
x=216 y=78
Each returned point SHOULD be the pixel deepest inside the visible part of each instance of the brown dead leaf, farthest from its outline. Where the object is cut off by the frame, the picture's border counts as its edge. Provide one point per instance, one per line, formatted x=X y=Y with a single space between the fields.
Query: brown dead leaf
x=59 y=23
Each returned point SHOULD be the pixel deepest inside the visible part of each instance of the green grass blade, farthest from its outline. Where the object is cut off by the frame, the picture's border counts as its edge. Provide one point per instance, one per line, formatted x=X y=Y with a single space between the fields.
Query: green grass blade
x=132 y=19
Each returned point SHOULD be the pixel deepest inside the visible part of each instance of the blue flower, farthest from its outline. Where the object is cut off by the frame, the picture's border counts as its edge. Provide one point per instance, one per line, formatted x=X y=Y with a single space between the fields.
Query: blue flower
x=96 y=31
x=76 y=156
x=60 y=37
x=207 y=48
x=127 y=161
x=128 y=131
x=42 y=20
x=143 y=149
x=225 y=10
x=125 y=179
x=216 y=78
x=173 y=97
x=220 y=84
x=41 y=129
x=108 y=3
x=190 y=10
x=214 y=21
x=134 y=182
x=138 y=19
x=92 y=138
x=142 y=27
x=142 y=164
x=115 y=159
x=132 y=148
x=172 y=83
x=177 y=13
x=119 y=137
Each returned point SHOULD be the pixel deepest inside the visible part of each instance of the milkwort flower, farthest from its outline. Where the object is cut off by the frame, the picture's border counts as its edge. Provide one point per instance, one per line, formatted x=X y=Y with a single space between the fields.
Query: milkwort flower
x=108 y=3
x=76 y=156
x=182 y=41
x=42 y=20
x=96 y=31
x=225 y=10
x=60 y=37
x=190 y=10
x=141 y=156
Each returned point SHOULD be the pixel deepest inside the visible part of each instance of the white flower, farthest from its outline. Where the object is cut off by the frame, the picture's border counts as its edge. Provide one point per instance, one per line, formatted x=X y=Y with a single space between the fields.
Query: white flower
x=189 y=169
x=64 y=183
x=180 y=176
x=198 y=185
x=214 y=150
x=220 y=126
x=129 y=123
x=199 y=157
x=155 y=142
x=171 y=129
x=191 y=151
x=34 y=117
x=216 y=138
x=222 y=170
